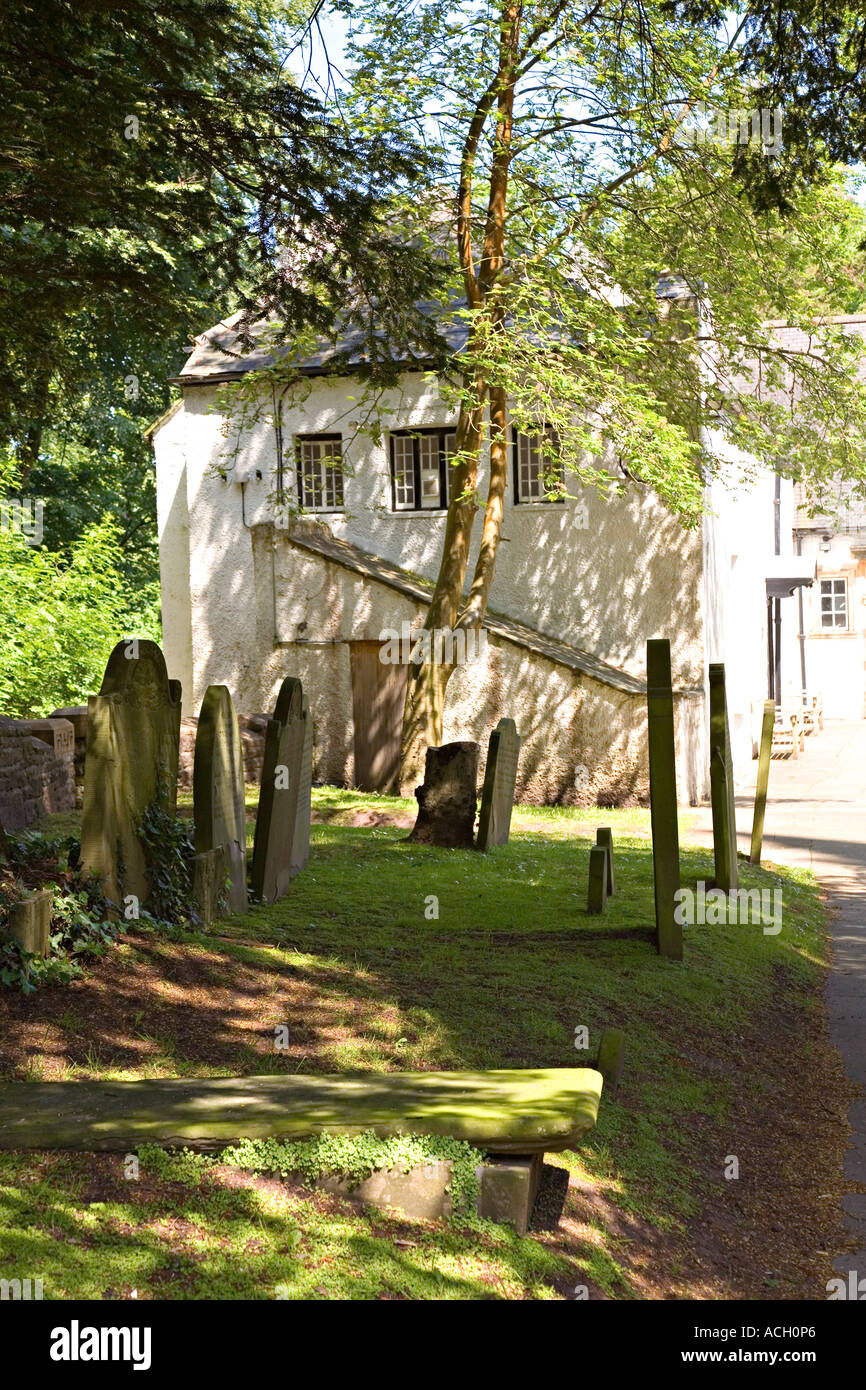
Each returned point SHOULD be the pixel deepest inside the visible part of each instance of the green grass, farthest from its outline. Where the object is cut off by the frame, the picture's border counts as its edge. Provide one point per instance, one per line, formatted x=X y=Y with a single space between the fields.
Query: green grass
x=505 y=973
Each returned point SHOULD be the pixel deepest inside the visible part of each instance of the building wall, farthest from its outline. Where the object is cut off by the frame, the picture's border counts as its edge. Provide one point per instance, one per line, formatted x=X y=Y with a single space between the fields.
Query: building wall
x=835 y=660
x=242 y=606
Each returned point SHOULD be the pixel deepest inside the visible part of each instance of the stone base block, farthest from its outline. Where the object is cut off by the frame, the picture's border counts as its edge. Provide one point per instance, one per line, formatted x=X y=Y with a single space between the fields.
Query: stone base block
x=30 y=922
x=509 y=1186
x=420 y=1193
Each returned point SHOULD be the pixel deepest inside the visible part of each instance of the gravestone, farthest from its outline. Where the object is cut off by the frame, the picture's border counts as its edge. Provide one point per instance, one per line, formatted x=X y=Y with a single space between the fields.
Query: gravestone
x=722 y=784
x=500 y=776
x=219 y=809
x=598 y=874
x=764 y=755
x=663 y=797
x=282 y=842
x=447 y=798
x=133 y=731
x=604 y=838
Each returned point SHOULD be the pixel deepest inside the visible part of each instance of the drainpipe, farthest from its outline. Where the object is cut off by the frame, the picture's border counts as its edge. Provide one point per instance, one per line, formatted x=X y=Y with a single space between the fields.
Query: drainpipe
x=777 y=613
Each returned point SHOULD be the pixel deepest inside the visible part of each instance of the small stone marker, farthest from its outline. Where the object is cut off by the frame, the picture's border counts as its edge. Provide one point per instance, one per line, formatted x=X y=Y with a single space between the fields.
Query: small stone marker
x=764 y=756
x=663 y=796
x=133 y=734
x=447 y=799
x=282 y=840
x=210 y=876
x=500 y=777
x=218 y=790
x=598 y=876
x=604 y=838
x=29 y=922
x=722 y=784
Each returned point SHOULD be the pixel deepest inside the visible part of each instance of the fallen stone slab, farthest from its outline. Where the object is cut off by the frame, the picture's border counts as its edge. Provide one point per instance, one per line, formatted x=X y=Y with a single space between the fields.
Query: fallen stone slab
x=502 y=1111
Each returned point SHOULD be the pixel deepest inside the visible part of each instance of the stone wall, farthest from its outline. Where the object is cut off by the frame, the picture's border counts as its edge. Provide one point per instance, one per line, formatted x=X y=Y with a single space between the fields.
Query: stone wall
x=252 y=727
x=37 y=769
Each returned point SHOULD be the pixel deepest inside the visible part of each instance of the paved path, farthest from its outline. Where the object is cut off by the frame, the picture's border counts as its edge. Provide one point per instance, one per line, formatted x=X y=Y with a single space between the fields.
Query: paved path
x=816 y=817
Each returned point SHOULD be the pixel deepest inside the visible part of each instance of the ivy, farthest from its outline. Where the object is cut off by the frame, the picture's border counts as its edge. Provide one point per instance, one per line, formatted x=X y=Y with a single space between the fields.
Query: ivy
x=169 y=849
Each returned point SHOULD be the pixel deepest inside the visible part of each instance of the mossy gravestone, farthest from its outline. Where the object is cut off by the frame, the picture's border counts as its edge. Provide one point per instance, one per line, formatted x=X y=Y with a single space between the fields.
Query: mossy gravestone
x=663 y=797
x=282 y=843
x=133 y=736
x=218 y=790
x=500 y=776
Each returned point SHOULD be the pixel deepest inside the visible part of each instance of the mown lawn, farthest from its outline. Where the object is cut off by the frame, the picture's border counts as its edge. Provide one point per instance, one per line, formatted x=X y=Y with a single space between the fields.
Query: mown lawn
x=387 y=955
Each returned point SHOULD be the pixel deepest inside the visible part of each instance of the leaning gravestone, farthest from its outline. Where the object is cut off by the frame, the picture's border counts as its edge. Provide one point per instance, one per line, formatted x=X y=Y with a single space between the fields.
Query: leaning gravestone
x=282 y=842
x=218 y=790
x=663 y=797
x=133 y=733
x=447 y=799
x=722 y=784
x=500 y=776
x=604 y=839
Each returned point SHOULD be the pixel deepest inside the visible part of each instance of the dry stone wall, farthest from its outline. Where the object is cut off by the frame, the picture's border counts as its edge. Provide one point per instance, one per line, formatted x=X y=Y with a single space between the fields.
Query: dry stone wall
x=37 y=769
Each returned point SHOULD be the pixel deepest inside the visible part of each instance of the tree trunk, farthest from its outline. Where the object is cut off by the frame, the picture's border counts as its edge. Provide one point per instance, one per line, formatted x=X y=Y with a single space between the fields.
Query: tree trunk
x=427 y=683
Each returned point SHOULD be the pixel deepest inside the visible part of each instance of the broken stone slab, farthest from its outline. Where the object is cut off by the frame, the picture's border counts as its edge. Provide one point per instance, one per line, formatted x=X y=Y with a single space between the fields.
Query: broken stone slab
x=448 y=797
x=29 y=922
x=212 y=873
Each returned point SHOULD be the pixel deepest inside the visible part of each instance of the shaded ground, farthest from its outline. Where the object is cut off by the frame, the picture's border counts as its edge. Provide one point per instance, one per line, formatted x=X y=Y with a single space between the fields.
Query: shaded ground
x=727 y=1056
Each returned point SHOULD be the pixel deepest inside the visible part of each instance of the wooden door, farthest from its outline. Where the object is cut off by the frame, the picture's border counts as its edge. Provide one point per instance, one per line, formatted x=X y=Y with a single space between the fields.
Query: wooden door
x=378 y=694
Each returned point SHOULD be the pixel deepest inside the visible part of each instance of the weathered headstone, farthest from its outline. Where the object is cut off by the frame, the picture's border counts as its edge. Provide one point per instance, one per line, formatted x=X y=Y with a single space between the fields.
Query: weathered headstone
x=764 y=755
x=282 y=840
x=604 y=838
x=133 y=731
x=663 y=797
x=211 y=871
x=500 y=776
x=219 y=808
x=447 y=798
x=722 y=784
x=597 y=890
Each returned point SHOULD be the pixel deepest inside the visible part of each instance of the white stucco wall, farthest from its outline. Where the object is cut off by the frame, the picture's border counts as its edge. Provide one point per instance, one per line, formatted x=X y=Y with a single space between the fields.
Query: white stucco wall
x=835 y=660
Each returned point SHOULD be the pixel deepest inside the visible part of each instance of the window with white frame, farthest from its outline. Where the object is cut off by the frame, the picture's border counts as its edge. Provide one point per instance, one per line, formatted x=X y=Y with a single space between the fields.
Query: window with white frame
x=319 y=459
x=834 y=604
x=420 y=460
x=538 y=477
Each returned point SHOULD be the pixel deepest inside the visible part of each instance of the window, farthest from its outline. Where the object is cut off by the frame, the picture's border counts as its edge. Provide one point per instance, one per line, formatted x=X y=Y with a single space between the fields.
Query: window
x=537 y=477
x=834 y=603
x=420 y=460
x=320 y=471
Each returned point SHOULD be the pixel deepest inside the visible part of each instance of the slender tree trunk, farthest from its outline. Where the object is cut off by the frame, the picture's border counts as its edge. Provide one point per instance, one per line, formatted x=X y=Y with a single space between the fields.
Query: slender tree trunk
x=428 y=681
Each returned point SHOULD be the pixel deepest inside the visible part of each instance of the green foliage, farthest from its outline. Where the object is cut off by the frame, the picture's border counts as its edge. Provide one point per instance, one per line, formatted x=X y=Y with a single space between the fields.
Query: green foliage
x=61 y=616
x=356 y=1156
x=169 y=848
x=79 y=924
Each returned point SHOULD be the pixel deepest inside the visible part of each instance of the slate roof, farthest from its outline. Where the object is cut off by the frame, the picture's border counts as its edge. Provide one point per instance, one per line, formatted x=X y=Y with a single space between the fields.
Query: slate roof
x=218 y=354
x=361 y=562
